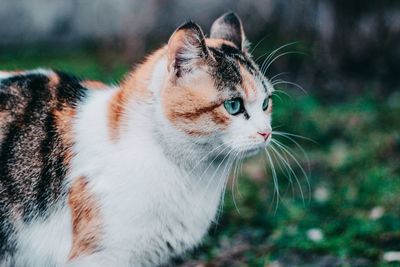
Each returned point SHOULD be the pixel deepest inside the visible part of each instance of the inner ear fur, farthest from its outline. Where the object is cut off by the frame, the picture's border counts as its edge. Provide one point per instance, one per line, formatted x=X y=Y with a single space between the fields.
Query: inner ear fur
x=186 y=48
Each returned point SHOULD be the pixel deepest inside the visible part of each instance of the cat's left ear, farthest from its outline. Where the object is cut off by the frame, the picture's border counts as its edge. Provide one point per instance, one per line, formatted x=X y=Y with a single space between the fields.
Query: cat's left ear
x=229 y=27
x=187 y=49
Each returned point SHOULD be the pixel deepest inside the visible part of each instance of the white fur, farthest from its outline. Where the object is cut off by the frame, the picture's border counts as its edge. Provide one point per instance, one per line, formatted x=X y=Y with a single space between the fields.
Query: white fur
x=146 y=199
x=243 y=133
x=5 y=75
x=155 y=185
x=46 y=242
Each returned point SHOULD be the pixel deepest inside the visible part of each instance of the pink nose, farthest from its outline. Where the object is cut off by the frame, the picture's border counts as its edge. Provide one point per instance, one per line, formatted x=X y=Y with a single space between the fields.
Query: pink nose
x=264 y=134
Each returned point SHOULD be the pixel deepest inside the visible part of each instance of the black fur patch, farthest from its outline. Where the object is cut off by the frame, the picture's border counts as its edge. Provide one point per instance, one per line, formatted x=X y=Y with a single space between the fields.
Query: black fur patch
x=32 y=166
x=226 y=69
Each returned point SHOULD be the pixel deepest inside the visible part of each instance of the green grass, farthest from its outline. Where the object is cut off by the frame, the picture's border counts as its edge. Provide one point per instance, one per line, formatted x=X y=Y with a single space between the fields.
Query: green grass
x=354 y=172
x=87 y=62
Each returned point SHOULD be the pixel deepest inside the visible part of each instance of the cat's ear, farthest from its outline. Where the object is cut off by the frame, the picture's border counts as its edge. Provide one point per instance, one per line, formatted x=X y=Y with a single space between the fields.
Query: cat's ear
x=186 y=48
x=229 y=27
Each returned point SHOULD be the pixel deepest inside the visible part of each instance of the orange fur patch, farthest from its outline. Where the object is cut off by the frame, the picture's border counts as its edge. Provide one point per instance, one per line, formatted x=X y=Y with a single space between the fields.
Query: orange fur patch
x=15 y=72
x=115 y=111
x=248 y=84
x=195 y=108
x=54 y=80
x=216 y=43
x=134 y=86
x=86 y=220
x=269 y=109
x=5 y=119
x=90 y=84
x=63 y=119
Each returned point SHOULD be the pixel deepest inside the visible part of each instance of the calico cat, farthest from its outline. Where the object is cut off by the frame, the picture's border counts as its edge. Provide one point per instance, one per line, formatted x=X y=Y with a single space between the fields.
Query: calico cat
x=132 y=175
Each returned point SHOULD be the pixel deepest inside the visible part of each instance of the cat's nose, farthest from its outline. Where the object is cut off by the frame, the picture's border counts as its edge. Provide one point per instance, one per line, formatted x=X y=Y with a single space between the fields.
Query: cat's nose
x=264 y=134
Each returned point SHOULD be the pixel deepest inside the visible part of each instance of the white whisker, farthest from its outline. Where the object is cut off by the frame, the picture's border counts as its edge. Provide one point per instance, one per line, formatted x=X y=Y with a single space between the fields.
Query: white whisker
x=264 y=70
x=271 y=54
x=290 y=170
x=290 y=83
x=275 y=179
x=285 y=149
x=271 y=80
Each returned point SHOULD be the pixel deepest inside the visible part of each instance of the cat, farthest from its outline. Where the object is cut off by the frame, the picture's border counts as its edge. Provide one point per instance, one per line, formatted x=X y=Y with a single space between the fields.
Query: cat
x=128 y=175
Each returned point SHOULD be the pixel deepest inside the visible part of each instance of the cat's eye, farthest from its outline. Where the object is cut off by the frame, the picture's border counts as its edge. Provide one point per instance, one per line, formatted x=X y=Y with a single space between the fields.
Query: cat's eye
x=234 y=106
x=266 y=103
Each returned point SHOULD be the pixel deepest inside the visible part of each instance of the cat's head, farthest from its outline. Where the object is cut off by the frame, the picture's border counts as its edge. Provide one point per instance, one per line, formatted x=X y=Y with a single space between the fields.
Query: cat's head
x=215 y=91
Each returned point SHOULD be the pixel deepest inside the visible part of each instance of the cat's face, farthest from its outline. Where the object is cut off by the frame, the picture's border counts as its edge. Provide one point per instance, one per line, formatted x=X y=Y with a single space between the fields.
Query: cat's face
x=215 y=92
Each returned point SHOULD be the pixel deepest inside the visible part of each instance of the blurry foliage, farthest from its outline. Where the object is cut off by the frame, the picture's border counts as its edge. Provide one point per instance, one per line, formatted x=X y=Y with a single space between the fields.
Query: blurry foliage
x=87 y=62
x=352 y=46
x=366 y=134
x=354 y=193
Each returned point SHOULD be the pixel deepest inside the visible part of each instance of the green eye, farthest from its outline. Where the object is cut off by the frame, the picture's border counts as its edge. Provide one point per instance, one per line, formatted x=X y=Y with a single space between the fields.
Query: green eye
x=234 y=106
x=265 y=103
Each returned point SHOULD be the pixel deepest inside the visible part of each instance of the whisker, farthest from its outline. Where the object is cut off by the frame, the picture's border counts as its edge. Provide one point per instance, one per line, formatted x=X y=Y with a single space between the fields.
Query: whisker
x=291 y=83
x=216 y=170
x=287 y=135
x=271 y=80
x=289 y=168
x=264 y=70
x=286 y=150
x=276 y=91
x=229 y=163
x=280 y=164
x=238 y=142
x=275 y=179
x=284 y=169
x=205 y=157
x=258 y=43
x=271 y=54
x=209 y=165
x=234 y=177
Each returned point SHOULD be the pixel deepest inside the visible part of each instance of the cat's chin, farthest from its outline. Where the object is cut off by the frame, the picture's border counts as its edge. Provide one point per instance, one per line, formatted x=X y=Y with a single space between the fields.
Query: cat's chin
x=253 y=151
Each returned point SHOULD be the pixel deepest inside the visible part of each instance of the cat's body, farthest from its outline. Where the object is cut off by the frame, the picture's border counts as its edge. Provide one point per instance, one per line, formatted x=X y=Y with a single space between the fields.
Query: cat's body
x=42 y=219
x=92 y=175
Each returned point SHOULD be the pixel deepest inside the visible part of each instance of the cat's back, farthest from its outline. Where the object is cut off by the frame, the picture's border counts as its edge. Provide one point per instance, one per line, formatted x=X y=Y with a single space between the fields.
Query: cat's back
x=36 y=113
x=27 y=97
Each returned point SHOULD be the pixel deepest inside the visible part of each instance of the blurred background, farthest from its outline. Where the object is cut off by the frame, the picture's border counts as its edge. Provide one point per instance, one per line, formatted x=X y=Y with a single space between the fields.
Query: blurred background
x=344 y=210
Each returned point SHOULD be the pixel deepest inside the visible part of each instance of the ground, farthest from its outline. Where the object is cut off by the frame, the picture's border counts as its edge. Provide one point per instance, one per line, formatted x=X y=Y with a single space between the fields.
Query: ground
x=347 y=212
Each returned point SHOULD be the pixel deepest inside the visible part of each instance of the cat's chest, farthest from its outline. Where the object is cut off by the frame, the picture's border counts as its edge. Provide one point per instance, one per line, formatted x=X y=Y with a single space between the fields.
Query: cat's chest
x=148 y=205
x=161 y=209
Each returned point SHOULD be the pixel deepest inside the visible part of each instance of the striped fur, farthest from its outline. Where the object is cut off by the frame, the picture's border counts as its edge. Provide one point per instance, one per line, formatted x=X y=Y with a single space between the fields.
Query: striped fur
x=35 y=147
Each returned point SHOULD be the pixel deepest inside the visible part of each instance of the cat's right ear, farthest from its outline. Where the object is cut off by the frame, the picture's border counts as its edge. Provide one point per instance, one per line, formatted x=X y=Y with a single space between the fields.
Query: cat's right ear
x=186 y=49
